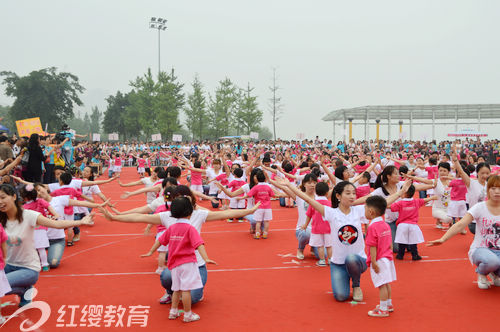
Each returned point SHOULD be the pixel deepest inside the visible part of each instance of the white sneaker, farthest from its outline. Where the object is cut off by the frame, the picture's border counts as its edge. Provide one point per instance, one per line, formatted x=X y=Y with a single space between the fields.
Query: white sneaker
x=495 y=279
x=482 y=282
x=321 y=262
x=300 y=255
x=191 y=318
x=357 y=294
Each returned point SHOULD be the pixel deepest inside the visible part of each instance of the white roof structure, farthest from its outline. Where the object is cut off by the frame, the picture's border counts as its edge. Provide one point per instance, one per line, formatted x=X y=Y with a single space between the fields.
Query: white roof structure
x=478 y=113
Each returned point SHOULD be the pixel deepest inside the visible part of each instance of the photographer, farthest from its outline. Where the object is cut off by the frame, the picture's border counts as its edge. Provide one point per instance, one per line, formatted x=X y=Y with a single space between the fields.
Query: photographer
x=67 y=148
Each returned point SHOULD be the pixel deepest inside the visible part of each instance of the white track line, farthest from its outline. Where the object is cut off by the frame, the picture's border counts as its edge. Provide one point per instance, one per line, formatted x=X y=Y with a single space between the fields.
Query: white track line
x=96 y=247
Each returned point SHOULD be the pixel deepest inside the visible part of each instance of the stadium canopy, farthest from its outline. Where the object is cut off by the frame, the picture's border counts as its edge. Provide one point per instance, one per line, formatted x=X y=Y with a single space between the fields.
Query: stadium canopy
x=476 y=113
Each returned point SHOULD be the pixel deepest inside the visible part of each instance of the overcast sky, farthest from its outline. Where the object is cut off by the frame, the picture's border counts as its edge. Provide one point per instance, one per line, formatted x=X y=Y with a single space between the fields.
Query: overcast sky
x=328 y=54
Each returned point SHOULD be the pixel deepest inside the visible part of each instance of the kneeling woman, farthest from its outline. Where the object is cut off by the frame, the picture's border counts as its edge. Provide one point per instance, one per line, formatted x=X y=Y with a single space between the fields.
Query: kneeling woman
x=22 y=264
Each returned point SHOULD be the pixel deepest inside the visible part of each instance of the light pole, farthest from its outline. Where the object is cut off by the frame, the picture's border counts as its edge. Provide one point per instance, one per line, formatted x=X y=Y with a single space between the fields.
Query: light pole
x=159 y=24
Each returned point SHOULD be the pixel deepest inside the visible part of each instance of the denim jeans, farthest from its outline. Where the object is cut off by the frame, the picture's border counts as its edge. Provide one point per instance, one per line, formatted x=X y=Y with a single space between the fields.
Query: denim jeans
x=282 y=201
x=214 y=205
x=472 y=227
x=49 y=177
x=487 y=261
x=340 y=274
x=66 y=156
x=20 y=279
x=55 y=252
x=422 y=194
x=393 y=228
x=196 y=294
x=303 y=237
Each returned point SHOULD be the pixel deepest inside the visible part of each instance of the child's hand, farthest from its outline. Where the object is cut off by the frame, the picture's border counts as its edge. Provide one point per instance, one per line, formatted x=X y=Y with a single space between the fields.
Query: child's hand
x=88 y=220
x=147 y=254
x=303 y=227
x=209 y=261
x=375 y=267
x=126 y=195
x=435 y=243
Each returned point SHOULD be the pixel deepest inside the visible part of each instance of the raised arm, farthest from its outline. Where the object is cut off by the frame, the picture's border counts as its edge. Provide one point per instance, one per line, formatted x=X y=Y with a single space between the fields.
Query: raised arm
x=59 y=224
x=130 y=184
x=312 y=202
x=156 y=189
x=132 y=217
x=229 y=214
x=460 y=171
x=97 y=182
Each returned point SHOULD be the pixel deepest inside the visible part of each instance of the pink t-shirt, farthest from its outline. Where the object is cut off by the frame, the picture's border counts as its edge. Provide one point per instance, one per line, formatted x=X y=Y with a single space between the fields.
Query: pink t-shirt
x=408 y=210
x=162 y=208
x=67 y=191
x=379 y=235
x=236 y=184
x=222 y=178
x=141 y=162
x=361 y=169
x=3 y=238
x=118 y=161
x=458 y=190
x=318 y=224
x=262 y=193
x=431 y=172
x=363 y=190
x=196 y=178
x=182 y=240
x=38 y=205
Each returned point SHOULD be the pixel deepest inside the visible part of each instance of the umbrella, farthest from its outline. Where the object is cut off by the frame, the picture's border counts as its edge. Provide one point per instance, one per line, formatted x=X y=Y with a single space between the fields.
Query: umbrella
x=3 y=128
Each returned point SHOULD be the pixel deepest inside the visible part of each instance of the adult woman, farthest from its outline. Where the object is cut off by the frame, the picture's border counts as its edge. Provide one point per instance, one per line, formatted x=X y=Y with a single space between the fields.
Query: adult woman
x=22 y=264
x=197 y=219
x=484 y=251
x=442 y=191
x=36 y=158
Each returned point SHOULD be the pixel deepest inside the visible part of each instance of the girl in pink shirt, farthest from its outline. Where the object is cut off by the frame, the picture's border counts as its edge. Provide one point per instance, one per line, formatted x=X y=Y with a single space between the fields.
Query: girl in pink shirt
x=196 y=177
x=237 y=183
x=458 y=193
x=182 y=239
x=141 y=165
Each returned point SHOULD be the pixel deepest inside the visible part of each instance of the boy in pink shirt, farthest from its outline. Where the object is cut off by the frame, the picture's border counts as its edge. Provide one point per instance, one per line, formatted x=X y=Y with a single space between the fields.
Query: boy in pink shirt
x=182 y=240
x=379 y=242
x=320 y=229
x=234 y=185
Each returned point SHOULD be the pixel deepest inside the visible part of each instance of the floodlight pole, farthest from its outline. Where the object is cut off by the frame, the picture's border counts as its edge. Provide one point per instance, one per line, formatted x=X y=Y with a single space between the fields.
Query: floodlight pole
x=159 y=24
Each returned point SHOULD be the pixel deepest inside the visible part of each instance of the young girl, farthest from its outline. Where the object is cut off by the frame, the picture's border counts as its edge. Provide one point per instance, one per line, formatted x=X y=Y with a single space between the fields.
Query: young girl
x=4 y=283
x=141 y=164
x=379 y=241
x=458 y=193
x=484 y=250
x=237 y=183
x=408 y=233
x=168 y=195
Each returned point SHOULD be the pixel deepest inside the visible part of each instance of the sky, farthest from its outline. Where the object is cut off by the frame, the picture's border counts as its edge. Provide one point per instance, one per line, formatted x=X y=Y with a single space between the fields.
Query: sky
x=328 y=55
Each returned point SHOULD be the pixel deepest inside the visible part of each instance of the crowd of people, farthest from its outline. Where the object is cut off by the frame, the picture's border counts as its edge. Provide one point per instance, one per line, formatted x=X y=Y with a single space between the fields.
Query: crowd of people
x=357 y=204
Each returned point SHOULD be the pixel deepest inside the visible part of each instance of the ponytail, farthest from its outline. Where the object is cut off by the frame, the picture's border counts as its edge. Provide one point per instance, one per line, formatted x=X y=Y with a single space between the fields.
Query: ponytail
x=338 y=190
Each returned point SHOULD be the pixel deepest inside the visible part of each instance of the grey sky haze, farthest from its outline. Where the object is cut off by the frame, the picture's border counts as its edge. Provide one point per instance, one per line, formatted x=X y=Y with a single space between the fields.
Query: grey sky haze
x=329 y=54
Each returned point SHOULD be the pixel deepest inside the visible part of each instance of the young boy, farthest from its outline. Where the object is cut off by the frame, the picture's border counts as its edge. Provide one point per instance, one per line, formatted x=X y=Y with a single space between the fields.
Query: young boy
x=379 y=242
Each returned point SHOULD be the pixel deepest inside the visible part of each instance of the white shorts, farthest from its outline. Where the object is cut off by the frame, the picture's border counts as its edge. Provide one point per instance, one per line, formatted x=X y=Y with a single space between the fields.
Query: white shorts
x=408 y=234
x=162 y=248
x=441 y=214
x=236 y=203
x=117 y=169
x=186 y=277
x=140 y=170
x=385 y=275
x=197 y=187
x=457 y=209
x=4 y=284
x=41 y=239
x=222 y=195
x=263 y=215
x=321 y=240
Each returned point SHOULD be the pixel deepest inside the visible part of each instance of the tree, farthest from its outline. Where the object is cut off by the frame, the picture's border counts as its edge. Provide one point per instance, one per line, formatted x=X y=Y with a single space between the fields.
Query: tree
x=222 y=107
x=265 y=133
x=6 y=118
x=141 y=115
x=95 y=120
x=195 y=110
x=276 y=107
x=168 y=102
x=114 y=117
x=45 y=94
x=248 y=117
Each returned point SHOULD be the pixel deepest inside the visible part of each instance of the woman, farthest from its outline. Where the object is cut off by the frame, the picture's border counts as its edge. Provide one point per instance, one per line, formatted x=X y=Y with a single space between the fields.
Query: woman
x=23 y=264
x=197 y=219
x=36 y=158
x=442 y=191
x=485 y=249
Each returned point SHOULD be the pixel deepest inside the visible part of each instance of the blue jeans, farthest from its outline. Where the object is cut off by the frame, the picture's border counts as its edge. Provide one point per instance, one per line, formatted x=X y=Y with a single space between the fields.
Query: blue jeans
x=303 y=237
x=422 y=194
x=55 y=252
x=340 y=274
x=20 y=279
x=214 y=205
x=393 y=227
x=282 y=201
x=487 y=261
x=196 y=294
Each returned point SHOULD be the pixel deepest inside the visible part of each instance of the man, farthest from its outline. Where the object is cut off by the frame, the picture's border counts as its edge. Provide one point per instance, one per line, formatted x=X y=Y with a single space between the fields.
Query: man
x=5 y=149
x=67 y=148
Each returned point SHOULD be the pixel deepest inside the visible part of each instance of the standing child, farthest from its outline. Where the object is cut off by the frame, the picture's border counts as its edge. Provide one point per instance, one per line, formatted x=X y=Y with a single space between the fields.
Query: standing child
x=141 y=165
x=183 y=239
x=379 y=242
x=237 y=183
x=4 y=283
x=458 y=194
x=408 y=233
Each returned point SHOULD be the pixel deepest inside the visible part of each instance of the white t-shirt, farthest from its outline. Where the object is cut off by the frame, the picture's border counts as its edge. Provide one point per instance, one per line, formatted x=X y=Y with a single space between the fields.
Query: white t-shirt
x=197 y=219
x=487 y=228
x=443 y=196
x=347 y=233
x=76 y=184
x=156 y=203
x=58 y=203
x=211 y=174
x=150 y=196
x=21 y=245
x=250 y=200
x=302 y=207
x=476 y=192
x=389 y=215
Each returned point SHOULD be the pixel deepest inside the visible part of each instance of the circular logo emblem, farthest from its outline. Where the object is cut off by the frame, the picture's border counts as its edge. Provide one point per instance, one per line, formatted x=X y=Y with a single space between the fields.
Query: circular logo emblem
x=348 y=234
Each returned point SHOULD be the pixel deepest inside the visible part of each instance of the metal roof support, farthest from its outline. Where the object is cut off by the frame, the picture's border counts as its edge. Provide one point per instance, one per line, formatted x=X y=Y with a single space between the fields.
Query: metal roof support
x=456 y=120
x=333 y=139
x=366 y=126
x=479 y=119
x=433 y=124
x=388 y=125
x=411 y=125
x=344 y=127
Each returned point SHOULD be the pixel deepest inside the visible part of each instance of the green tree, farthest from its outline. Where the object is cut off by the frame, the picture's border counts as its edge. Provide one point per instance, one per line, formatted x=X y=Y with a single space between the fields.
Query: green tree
x=196 y=116
x=45 y=94
x=141 y=113
x=222 y=108
x=167 y=103
x=265 y=133
x=7 y=121
x=114 y=116
x=248 y=117
x=95 y=120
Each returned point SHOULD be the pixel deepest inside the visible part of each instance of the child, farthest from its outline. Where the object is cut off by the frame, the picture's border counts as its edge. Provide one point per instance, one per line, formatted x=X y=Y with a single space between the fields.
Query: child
x=141 y=164
x=4 y=283
x=196 y=177
x=234 y=185
x=408 y=233
x=182 y=239
x=379 y=242
x=363 y=185
x=320 y=231
x=458 y=193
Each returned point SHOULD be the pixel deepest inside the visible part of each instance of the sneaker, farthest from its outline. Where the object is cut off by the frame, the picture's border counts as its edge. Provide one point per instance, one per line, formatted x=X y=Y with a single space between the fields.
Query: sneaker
x=357 y=294
x=174 y=313
x=190 y=318
x=241 y=220
x=265 y=235
x=300 y=255
x=229 y=220
x=2 y=320
x=165 y=299
x=390 y=308
x=495 y=279
x=45 y=268
x=377 y=312
x=482 y=282
x=159 y=270
x=76 y=238
x=416 y=258
x=399 y=257
x=321 y=262
x=256 y=235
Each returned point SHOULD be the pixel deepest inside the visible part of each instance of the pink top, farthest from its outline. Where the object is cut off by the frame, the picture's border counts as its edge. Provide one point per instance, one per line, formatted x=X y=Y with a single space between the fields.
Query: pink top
x=262 y=193
x=67 y=191
x=236 y=184
x=38 y=205
x=182 y=240
x=318 y=224
x=196 y=179
x=361 y=169
x=118 y=161
x=222 y=178
x=431 y=172
x=141 y=162
x=408 y=210
x=458 y=190
x=379 y=235
x=3 y=238
x=162 y=208
x=362 y=190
